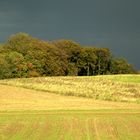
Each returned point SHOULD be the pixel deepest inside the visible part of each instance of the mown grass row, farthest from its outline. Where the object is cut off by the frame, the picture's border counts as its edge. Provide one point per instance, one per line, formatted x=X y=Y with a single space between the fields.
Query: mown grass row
x=70 y=126
x=110 y=87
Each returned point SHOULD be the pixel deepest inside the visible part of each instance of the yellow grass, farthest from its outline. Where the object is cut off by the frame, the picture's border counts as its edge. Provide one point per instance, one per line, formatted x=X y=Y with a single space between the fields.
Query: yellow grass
x=114 y=88
x=36 y=108
x=17 y=98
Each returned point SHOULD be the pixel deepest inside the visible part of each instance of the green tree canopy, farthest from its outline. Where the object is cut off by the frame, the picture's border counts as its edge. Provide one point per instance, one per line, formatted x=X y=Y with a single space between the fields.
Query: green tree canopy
x=25 y=56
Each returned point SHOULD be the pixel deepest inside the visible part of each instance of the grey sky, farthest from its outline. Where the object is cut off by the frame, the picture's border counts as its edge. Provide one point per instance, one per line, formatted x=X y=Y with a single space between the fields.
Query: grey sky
x=106 y=23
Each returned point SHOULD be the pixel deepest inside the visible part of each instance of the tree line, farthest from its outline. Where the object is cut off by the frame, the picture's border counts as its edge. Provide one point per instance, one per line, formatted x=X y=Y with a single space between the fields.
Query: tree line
x=25 y=56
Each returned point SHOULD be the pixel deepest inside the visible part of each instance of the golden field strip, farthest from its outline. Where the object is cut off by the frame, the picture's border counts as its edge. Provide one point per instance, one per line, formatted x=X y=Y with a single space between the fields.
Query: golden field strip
x=39 y=108
x=13 y=98
x=109 y=87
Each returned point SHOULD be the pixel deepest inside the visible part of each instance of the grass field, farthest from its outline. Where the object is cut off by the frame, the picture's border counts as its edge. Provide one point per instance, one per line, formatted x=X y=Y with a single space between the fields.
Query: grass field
x=114 y=88
x=70 y=125
x=36 y=108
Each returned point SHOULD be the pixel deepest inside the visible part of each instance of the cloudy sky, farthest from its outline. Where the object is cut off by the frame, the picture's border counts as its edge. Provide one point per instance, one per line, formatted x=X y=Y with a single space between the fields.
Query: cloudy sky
x=105 y=23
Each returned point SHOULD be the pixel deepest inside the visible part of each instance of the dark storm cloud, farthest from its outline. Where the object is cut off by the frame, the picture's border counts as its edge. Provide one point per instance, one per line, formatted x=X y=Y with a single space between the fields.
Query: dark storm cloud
x=107 y=23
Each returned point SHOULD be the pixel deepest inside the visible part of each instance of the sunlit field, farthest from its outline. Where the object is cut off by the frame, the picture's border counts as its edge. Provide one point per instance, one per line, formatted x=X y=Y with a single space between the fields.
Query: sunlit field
x=114 y=88
x=70 y=125
x=70 y=108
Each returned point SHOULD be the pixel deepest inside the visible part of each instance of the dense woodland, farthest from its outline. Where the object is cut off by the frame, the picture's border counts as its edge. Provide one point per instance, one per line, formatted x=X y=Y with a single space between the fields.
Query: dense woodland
x=25 y=56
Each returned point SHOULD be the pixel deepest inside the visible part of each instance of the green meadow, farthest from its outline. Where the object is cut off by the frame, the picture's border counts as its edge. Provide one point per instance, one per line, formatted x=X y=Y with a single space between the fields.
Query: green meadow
x=70 y=125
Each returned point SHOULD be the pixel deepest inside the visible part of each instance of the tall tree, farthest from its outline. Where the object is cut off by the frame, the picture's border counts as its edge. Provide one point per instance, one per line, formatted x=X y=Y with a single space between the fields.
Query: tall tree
x=103 y=59
x=87 y=62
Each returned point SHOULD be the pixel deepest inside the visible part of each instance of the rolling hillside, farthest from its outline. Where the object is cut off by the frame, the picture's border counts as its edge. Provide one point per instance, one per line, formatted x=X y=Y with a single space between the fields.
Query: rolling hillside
x=108 y=87
x=39 y=108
